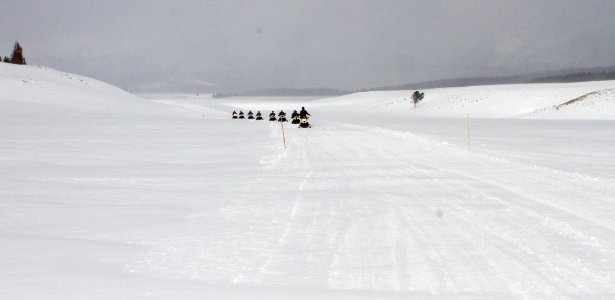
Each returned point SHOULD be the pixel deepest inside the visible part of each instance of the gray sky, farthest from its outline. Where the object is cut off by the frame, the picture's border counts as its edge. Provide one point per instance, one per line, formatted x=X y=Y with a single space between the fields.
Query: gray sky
x=238 y=45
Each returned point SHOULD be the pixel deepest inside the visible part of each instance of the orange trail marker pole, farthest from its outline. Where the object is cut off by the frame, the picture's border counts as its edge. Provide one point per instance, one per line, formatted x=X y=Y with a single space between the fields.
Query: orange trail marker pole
x=283 y=135
x=468 y=126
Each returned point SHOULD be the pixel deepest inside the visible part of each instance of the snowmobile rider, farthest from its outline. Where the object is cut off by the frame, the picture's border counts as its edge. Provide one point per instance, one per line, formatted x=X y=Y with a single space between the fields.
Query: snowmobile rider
x=295 y=113
x=234 y=114
x=272 y=114
x=303 y=113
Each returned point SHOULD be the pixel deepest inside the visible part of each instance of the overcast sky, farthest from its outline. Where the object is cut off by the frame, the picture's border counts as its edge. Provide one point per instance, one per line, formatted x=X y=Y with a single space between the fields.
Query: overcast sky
x=238 y=45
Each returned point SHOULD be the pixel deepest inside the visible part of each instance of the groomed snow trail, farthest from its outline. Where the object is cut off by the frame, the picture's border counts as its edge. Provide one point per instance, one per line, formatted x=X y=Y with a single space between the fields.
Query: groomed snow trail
x=356 y=208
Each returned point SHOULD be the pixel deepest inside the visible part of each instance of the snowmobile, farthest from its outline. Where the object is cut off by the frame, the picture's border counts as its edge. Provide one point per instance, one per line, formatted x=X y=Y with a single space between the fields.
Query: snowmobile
x=234 y=115
x=258 y=116
x=282 y=116
x=241 y=115
x=304 y=122
x=250 y=115
x=272 y=116
x=295 y=117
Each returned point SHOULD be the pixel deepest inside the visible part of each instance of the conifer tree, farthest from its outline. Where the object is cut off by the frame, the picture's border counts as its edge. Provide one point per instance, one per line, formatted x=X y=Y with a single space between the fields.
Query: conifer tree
x=17 y=56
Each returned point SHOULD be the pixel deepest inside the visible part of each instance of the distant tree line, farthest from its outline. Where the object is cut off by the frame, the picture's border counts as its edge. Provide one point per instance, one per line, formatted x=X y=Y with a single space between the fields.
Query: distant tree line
x=16 y=57
x=286 y=92
x=563 y=76
x=576 y=77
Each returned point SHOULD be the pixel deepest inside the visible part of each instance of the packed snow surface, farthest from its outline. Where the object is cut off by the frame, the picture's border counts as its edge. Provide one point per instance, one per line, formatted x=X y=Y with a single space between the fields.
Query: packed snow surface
x=105 y=195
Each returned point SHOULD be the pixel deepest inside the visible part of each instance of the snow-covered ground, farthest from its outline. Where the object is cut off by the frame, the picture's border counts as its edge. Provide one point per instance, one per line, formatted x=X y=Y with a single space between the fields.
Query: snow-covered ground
x=104 y=195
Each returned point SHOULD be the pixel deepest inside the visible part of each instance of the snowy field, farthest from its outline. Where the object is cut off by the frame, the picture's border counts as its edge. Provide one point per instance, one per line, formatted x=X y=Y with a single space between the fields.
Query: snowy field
x=105 y=195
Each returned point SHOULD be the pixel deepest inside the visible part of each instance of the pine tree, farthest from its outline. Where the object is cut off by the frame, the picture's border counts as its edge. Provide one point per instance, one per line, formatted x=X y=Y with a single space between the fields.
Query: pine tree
x=417 y=97
x=17 y=56
x=6 y=59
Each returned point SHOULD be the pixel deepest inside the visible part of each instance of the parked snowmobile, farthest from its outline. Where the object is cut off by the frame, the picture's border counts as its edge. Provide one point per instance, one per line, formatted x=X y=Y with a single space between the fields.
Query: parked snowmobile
x=282 y=117
x=272 y=116
x=241 y=115
x=304 y=122
x=258 y=116
x=234 y=115
x=295 y=117
x=250 y=115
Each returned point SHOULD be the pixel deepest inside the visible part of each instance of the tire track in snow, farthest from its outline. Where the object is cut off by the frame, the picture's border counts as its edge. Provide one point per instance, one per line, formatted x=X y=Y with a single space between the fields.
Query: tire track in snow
x=518 y=261
x=355 y=208
x=597 y=279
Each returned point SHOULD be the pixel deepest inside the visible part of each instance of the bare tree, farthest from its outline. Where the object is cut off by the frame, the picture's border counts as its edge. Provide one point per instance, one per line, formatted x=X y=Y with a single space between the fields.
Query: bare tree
x=417 y=97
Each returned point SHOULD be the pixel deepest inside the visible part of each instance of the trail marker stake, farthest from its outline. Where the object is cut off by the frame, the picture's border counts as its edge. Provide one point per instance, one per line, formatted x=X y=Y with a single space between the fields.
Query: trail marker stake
x=283 y=135
x=468 y=126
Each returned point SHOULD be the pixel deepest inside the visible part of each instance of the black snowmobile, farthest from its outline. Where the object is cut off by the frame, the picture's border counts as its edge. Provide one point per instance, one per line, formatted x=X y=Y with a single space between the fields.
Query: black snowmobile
x=295 y=117
x=258 y=116
x=250 y=115
x=272 y=116
x=241 y=115
x=234 y=115
x=303 y=118
x=303 y=122
x=282 y=116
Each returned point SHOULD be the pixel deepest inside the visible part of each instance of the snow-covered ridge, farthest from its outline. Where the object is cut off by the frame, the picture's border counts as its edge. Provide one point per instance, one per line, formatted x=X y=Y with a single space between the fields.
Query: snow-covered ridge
x=535 y=101
x=595 y=105
x=39 y=90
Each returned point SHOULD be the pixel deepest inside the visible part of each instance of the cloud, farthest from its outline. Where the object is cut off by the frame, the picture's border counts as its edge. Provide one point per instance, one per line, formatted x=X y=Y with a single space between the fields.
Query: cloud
x=226 y=45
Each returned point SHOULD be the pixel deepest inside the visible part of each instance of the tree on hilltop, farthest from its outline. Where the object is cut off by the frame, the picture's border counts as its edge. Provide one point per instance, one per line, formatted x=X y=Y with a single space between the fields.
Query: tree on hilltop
x=417 y=97
x=17 y=56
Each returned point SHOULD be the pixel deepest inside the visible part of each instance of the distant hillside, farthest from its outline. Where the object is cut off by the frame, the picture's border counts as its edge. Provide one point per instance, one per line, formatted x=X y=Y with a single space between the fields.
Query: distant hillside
x=576 y=77
x=285 y=92
x=593 y=100
x=454 y=82
x=562 y=76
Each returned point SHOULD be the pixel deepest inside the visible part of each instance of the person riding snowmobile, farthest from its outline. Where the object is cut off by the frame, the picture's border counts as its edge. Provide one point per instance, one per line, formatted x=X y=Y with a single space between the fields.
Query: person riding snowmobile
x=258 y=115
x=295 y=117
x=282 y=116
x=303 y=112
x=234 y=115
x=250 y=115
x=272 y=116
x=241 y=115
x=303 y=117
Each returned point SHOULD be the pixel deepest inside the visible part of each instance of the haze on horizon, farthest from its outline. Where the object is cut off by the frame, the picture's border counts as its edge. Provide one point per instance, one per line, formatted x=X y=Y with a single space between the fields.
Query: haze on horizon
x=206 y=46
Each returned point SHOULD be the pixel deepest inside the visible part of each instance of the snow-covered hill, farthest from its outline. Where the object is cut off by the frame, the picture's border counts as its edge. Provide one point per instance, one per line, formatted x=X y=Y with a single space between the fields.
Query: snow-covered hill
x=33 y=90
x=40 y=91
x=495 y=101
